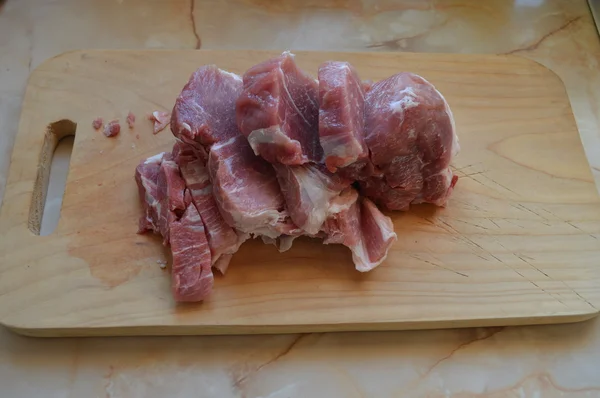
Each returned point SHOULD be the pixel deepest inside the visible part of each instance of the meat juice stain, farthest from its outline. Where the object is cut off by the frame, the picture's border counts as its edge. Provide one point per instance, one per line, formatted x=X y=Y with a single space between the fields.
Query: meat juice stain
x=114 y=260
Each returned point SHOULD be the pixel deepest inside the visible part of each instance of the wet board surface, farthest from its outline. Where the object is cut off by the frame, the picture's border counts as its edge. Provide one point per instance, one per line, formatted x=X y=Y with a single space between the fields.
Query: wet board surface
x=518 y=243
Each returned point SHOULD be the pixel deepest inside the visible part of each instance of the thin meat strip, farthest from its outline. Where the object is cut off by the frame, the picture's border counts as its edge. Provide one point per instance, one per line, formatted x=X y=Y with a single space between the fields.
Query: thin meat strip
x=341 y=116
x=146 y=177
x=223 y=240
x=170 y=194
x=192 y=278
x=278 y=111
x=244 y=185
x=410 y=133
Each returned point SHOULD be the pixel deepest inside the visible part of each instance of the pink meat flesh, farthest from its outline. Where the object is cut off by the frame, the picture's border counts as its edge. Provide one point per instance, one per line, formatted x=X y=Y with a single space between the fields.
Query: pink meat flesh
x=170 y=194
x=278 y=111
x=146 y=177
x=341 y=116
x=223 y=240
x=130 y=120
x=410 y=132
x=97 y=123
x=160 y=119
x=192 y=277
x=112 y=128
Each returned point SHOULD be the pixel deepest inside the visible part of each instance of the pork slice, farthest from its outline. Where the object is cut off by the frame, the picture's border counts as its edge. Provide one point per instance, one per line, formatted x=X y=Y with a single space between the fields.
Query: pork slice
x=223 y=240
x=308 y=190
x=246 y=190
x=410 y=133
x=359 y=225
x=146 y=177
x=204 y=112
x=341 y=116
x=171 y=195
x=192 y=277
x=378 y=236
x=278 y=111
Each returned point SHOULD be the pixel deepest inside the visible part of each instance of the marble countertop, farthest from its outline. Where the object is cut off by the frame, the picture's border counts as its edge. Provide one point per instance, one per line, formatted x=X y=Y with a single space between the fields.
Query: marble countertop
x=543 y=361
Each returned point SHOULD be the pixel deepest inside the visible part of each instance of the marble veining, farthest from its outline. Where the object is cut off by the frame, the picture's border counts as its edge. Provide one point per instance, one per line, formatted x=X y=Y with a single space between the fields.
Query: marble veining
x=542 y=361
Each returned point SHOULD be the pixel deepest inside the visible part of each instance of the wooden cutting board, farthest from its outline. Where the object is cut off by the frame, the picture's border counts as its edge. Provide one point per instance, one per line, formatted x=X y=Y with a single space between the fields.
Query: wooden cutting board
x=519 y=242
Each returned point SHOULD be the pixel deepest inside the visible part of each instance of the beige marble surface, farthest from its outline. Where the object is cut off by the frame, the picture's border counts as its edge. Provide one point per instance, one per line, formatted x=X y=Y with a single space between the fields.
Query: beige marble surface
x=562 y=360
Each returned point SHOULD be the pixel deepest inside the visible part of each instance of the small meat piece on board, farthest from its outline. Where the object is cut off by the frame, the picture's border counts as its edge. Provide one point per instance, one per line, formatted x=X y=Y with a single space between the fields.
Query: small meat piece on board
x=146 y=177
x=204 y=112
x=97 y=123
x=160 y=119
x=308 y=191
x=358 y=224
x=112 y=128
x=410 y=133
x=130 y=120
x=222 y=239
x=278 y=111
x=341 y=115
x=192 y=278
x=246 y=189
x=171 y=195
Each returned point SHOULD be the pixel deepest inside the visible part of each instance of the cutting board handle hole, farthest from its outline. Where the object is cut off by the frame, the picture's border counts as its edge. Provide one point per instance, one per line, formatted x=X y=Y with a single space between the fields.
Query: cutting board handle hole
x=51 y=178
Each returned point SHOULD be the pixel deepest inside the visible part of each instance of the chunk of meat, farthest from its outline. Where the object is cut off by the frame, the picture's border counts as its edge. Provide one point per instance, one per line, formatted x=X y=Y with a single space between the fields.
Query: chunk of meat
x=341 y=116
x=130 y=120
x=359 y=225
x=246 y=189
x=308 y=190
x=192 y=278
x=410 y=133
x=204 y=112
x=278 y=111
x=222 y=239
x=170 y=194
x=97 y=123
x=112 y=128
x=160 y=119
x=146 y=177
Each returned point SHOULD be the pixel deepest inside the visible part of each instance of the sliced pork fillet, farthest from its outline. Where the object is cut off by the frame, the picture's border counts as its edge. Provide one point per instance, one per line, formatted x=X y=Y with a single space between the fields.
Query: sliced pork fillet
x=223 y=240
x=146 y=177
x=308 y=191
x=278 y=111
x=171 y=196
x=192 y=277
x=410 y=133
x=204 y=112
x=246 y=189
x=341 y=116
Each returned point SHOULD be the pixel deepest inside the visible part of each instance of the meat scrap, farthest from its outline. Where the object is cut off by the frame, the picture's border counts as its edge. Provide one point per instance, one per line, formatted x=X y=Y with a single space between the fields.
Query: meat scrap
x=130 y=120
x=161 y=120
x=278 y=111
x=97 y=123
x=112 y=128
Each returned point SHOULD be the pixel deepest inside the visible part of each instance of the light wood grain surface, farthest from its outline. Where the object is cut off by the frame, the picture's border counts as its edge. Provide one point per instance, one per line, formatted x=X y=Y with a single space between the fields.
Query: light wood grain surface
x=517 y=244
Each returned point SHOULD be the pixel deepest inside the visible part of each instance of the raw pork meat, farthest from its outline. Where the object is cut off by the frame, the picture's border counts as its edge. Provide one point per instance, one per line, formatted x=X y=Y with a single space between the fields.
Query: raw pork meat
x=130 y=120
x=192 y=277
x=112 y=128
x=160 y=120
x=246 y=189
x=308 y=190
x=97 y=123
x=222 y=239
x=341 y=116
x=170 y=194
x=278 y=111
x=204 y=112
x=358 y=224
x=410 y=132
x=146 y=177
x=244 y=185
